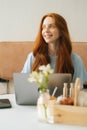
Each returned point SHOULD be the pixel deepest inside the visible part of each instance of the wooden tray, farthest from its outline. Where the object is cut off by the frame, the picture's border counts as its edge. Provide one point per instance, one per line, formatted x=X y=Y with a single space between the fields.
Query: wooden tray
x=66 y=114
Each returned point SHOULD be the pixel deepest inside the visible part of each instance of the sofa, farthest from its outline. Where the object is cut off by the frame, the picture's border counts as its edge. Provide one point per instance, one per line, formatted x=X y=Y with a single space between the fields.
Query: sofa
x=13 y=56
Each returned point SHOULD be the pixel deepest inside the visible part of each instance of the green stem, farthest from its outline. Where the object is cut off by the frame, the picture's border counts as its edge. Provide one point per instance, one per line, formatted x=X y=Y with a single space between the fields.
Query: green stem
x=45 y=108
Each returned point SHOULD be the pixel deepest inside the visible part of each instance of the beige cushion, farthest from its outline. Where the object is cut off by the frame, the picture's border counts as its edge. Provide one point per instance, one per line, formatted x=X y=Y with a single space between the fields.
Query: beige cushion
x=12 y=57
x=3 y=88
x=81 y=49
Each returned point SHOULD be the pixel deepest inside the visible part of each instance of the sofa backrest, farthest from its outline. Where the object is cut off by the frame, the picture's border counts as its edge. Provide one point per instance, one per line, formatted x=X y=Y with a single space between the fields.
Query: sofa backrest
x=81 y=48
x=12 y=57
x=14 y=54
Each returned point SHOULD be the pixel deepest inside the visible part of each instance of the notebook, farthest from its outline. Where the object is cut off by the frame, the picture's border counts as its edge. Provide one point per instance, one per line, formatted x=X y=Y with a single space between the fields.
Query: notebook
x=26 y=93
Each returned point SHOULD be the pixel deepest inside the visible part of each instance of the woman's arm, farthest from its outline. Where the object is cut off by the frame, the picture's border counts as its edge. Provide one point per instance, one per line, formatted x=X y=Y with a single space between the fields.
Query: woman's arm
x=28 y=63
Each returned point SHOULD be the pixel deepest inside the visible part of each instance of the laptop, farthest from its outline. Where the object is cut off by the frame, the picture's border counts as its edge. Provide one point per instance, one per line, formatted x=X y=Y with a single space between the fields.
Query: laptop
x=26 y=93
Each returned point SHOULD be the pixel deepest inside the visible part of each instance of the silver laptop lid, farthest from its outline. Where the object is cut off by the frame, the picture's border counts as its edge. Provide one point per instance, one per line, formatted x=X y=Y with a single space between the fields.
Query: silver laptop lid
x=26 y=93
x=58 y=79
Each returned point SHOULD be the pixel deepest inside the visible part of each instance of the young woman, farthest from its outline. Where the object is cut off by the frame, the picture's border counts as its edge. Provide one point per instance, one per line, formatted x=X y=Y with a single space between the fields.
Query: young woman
x=53 y=46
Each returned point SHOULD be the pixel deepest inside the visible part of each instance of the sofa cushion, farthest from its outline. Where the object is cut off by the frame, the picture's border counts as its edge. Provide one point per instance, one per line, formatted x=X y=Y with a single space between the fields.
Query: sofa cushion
x=81 y=49
x=12 y=57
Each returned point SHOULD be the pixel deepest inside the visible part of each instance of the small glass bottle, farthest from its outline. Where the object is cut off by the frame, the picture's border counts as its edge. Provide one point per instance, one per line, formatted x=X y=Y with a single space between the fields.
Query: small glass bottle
x=65 y=90
x=42 y=103
x=71 y=90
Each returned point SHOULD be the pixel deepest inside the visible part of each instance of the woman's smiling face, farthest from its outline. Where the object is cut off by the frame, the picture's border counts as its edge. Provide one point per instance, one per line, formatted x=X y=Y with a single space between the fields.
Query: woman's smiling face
x=50 y=31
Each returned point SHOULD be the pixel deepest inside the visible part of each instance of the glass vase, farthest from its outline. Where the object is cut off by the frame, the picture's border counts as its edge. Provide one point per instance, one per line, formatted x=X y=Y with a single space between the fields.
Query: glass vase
x=42 y=103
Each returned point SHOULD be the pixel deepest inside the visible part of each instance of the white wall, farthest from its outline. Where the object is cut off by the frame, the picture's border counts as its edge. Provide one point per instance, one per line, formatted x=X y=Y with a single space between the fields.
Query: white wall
x=19 y=19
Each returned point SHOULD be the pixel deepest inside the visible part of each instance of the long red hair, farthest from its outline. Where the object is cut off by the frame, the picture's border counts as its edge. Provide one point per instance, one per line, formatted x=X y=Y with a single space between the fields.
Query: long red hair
x=63 y=47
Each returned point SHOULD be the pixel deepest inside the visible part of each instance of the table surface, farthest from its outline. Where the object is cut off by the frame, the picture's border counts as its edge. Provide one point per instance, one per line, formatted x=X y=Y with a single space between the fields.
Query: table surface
x=25 y=118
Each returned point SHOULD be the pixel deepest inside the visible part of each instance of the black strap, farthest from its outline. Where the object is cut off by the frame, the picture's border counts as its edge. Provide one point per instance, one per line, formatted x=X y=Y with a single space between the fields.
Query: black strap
x=4 y=80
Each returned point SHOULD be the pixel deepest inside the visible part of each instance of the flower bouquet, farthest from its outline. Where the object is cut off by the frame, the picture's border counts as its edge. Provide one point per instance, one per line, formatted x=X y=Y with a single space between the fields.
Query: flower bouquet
x=42 y=79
